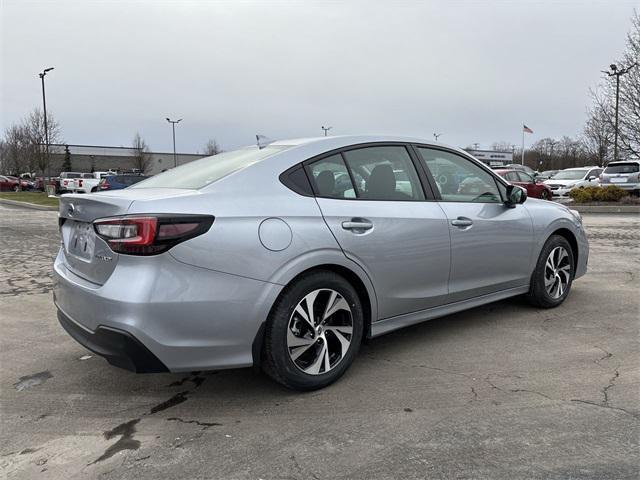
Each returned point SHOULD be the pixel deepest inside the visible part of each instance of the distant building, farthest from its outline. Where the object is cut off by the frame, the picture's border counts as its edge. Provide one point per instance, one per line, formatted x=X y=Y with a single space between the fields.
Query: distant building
x=493 y=158
x=87 y=158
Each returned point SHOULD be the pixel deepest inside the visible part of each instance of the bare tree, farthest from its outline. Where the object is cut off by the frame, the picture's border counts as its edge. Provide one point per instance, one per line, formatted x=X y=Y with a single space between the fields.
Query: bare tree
x=34 y=129
x=598 y=135
x=629 y=102
x=24 y=143
x=16 y=144
x=212 y=148
x=141 y=156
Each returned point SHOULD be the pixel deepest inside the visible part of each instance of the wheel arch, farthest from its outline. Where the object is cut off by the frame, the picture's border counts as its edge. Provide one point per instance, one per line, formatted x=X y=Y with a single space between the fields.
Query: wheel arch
x=363 y=288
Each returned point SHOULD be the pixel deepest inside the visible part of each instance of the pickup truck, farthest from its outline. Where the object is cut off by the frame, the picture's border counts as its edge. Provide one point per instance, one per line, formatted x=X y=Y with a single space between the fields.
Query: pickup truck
x=87 y=182
x=66 y=181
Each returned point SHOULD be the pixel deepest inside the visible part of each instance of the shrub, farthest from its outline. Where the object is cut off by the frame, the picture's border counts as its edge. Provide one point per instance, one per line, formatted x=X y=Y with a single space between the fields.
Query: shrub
x=610 y=193
x=581 y=195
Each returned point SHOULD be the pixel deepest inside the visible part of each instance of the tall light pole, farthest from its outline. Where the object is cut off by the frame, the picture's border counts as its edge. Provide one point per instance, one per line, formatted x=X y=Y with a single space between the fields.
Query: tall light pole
x=617 y=72
x=436 y=136
x=46 y=128
x=173 y=126
x=326 y=130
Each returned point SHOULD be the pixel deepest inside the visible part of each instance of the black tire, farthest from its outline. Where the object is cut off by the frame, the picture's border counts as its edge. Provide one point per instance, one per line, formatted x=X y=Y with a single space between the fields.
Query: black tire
x=277 y=362
x=544 y=195
x=538 y=294
x=16 y=188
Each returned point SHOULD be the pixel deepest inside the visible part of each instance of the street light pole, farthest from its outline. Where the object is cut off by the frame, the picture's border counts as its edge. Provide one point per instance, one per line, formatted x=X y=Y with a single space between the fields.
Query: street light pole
x=436 y=136
x=173 y=127
x=617 y=72
x=46 y=128
x=326 y=130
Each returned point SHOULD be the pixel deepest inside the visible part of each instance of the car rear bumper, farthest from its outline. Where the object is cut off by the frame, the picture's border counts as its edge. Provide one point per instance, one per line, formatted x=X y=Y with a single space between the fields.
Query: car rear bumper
x=186 y=317
x=118 y=347
x=625 y=186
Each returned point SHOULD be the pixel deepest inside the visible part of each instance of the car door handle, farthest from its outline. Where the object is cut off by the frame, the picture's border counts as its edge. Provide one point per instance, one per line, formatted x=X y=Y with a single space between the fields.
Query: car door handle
x=357 y=224
x=462 y=222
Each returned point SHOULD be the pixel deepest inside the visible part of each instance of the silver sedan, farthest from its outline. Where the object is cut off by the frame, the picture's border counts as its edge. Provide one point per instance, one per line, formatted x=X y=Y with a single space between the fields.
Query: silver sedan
x=288 y=255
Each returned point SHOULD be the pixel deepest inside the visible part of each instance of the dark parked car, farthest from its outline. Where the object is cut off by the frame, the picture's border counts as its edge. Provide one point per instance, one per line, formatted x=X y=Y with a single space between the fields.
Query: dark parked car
x=534 y=188
x=118 y=182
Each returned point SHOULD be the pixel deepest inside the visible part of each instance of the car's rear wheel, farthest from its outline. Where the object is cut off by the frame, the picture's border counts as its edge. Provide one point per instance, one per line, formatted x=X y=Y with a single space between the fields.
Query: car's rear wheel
x=313 y=332
x=553 y=276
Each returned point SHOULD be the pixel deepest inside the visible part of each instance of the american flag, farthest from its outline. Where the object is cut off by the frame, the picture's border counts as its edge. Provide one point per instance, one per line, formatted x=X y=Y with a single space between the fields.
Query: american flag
x=526 y=129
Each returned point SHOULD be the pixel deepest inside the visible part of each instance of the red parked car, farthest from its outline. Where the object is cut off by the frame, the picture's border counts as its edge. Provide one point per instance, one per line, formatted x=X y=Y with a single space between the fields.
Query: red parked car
x=534 y=188
x=8 y=184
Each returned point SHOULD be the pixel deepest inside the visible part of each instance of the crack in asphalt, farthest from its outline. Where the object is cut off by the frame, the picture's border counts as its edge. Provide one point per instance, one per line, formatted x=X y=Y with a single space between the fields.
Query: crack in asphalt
x=605 y=390
x=595 y=404
x=300 y=469
x=205 y=425
x=607 y=355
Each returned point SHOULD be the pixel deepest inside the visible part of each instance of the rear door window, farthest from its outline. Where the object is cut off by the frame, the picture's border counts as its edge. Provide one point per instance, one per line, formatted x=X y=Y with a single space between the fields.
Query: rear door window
x=384 y=173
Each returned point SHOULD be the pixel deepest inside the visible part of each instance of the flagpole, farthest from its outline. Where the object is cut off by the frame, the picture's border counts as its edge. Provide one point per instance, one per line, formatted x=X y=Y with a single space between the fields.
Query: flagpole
x=522 y=161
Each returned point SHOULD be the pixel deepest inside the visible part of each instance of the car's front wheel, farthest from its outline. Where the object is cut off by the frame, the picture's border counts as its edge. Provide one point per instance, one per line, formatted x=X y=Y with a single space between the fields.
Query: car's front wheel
x=313 y=332
x=552 y=278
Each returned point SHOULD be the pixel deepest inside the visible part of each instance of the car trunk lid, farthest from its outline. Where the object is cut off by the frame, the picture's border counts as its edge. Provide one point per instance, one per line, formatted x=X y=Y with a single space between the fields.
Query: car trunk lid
x=85 y=253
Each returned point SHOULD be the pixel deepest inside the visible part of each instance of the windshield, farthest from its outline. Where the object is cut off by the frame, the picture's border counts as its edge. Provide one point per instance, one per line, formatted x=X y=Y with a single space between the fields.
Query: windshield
x=630 y=167
x=570 y=175
x=200 y=173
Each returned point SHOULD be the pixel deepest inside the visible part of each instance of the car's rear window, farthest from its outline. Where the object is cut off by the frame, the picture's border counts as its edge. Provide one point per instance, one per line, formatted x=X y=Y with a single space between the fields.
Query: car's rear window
x=628 y=167
x=199 y=173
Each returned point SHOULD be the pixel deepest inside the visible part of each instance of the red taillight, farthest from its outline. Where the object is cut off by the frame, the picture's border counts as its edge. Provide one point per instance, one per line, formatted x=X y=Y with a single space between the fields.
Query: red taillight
x=150 y=235
x=104 y=185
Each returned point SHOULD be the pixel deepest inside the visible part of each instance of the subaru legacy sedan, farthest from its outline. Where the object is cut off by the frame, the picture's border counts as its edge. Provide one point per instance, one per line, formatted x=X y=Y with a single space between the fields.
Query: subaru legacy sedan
x=287 y=256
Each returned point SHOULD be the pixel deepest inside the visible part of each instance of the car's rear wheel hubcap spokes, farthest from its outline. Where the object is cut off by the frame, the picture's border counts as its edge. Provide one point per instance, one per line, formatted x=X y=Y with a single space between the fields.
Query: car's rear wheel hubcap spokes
x=557 y=272
x=320 y=331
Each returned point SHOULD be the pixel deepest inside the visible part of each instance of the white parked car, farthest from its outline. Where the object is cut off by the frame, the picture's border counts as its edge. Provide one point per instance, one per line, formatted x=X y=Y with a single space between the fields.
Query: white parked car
x=566 y=180
x=625 y=175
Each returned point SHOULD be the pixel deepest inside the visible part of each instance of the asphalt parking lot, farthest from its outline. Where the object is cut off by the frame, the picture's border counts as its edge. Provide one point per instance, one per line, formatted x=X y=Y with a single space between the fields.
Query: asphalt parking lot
x=502 y=391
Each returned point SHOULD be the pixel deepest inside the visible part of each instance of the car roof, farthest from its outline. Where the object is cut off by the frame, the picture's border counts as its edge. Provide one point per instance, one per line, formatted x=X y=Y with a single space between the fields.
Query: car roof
x=325 y=144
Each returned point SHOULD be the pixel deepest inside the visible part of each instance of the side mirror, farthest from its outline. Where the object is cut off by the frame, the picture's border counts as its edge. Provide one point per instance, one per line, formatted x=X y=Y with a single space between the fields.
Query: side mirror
x=515 y=196
x=592 y=177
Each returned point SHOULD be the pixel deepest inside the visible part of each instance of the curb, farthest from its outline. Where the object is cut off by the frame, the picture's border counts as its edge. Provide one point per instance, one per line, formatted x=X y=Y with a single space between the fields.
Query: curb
x=606 y=208
x=32 y=206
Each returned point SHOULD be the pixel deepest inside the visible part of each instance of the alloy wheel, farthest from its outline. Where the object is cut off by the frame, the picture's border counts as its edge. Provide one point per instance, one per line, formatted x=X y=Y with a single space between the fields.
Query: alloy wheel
x=557 y=272
x=320 y=331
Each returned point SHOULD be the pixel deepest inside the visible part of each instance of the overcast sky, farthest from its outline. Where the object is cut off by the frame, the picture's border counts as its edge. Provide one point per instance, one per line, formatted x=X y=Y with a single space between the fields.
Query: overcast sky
x=471 y=70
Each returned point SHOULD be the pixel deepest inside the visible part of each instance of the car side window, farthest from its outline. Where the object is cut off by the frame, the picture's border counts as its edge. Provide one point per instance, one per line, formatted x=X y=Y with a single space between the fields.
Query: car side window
x=458 y=179
x=384 y=173
x=512 y=177
x=331 y=178
x=525 y=177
